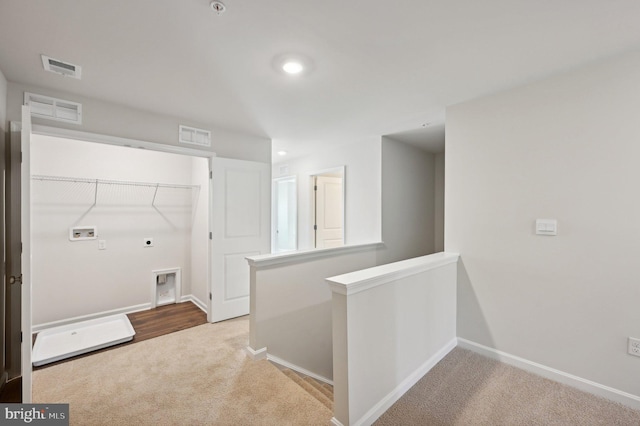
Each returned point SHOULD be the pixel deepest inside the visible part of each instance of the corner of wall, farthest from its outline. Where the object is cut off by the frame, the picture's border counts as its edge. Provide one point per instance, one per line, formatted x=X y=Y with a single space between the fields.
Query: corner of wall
x=407 y=201
x=503 y=170
x=3 y=103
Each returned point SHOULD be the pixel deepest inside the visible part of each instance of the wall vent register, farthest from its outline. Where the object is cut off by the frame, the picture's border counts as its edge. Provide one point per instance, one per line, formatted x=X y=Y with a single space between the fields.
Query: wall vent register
x=193 y=136
x=53 y=108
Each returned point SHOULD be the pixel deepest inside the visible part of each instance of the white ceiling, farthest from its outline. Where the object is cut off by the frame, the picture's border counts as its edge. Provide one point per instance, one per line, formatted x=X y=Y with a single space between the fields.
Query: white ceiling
x=380 y=67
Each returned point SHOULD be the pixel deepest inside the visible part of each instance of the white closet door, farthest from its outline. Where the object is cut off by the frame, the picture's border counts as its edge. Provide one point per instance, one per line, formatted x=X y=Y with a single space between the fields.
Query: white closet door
x=241 y=228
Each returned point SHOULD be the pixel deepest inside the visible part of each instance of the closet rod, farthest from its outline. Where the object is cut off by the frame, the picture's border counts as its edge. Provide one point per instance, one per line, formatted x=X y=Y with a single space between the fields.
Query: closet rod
x=111 y=182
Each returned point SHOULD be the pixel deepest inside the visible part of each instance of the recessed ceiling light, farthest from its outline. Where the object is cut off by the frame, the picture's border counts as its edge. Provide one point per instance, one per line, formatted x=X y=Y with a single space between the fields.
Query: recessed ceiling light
x=293 y=64
x=282 y=152
x=292 y=67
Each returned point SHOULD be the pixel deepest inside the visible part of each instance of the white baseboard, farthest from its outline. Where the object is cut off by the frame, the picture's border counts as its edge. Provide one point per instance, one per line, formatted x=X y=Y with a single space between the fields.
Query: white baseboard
x=336 y=422
x=257 y=354
x=199 y=303
x=385 y=403
x=589 y=386
x=128 y=310
x=299 y=369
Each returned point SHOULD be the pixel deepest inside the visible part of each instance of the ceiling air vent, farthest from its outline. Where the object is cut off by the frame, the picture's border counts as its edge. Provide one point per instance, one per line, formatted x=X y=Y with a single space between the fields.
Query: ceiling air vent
x=54 y=109
x=61 y=67
x=193 y=136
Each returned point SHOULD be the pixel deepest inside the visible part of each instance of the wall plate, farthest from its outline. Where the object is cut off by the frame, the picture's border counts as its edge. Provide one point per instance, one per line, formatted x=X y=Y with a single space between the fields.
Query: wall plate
x=80 y=233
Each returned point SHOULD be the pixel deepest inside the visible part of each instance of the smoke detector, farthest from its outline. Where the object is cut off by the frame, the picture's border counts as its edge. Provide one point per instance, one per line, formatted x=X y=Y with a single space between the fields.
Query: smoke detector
x=218 y=7
x=60 y=67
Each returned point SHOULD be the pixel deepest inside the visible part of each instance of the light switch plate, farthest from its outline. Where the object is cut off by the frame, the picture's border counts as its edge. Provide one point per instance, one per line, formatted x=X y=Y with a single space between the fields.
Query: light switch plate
x=546 y=227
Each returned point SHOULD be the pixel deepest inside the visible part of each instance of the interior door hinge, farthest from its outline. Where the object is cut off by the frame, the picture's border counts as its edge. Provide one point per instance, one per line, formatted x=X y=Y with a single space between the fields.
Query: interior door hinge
x=211 y=235
x=210 y=297
x=315 y=227
x=210 y=174
x=315 y=187
x=21 y=337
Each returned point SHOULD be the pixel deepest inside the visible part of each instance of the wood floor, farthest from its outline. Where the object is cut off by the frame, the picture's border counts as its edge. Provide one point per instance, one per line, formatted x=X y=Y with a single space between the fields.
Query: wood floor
x=153 y=323
x=165 y=319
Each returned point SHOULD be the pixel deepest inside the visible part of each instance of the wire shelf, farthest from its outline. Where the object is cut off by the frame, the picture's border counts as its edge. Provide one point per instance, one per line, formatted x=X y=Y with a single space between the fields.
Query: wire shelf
x=153 y=192
x=112 y=182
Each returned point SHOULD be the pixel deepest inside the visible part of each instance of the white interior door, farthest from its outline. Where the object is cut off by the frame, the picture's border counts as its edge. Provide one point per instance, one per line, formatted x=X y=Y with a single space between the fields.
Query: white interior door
x=241 y=228
x=329 y=212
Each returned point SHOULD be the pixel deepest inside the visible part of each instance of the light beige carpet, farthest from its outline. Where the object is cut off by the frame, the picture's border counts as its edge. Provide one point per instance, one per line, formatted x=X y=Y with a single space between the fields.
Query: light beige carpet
x=199 y=376
x=468 y=389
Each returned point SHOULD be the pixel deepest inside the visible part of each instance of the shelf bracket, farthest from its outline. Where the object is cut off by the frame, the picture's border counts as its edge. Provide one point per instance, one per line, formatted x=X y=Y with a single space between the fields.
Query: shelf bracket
x=153 y=202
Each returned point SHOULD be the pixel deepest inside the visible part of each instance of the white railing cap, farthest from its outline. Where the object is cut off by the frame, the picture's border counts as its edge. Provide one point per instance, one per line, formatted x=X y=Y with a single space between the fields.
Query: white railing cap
x=355 y=282
x=265 y=260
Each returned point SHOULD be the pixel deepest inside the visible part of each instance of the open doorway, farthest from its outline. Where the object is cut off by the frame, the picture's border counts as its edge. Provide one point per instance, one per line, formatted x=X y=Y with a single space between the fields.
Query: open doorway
x=238 y=215
x=285 y=215
x=134 y=212
x=328 y=208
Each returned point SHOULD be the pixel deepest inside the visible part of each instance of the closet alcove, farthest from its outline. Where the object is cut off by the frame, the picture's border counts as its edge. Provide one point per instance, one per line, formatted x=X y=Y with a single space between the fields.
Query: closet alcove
x=135 y=212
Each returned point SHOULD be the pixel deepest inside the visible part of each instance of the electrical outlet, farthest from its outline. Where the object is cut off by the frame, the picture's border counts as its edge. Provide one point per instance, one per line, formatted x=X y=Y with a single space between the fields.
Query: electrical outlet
x=634 y=346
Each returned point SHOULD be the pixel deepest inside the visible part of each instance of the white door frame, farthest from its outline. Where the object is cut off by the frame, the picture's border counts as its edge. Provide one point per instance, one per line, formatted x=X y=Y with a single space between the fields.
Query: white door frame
x=124 y=142
x=337 y=170
x=274 y=207
x=25 y=238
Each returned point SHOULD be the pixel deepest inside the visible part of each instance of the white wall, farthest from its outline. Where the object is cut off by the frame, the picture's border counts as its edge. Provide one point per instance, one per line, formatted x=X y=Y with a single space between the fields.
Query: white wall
x=200 y=231
x=408 y=208
x=362 y=177
x=75 y=278
x=291 y=304
x=565 y=148
x=117 y=120
x=3 y=105
x=391 y=325
x=438 y=231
